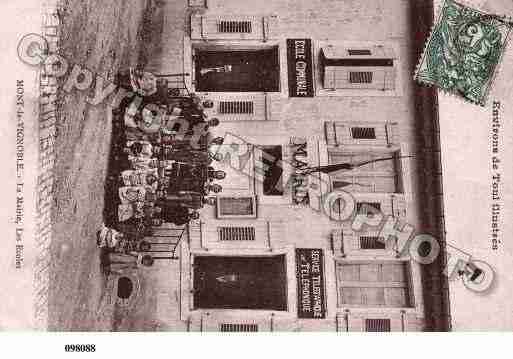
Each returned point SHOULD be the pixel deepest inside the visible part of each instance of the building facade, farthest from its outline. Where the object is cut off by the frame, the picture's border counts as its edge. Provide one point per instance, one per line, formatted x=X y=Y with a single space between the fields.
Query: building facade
x=300 y=84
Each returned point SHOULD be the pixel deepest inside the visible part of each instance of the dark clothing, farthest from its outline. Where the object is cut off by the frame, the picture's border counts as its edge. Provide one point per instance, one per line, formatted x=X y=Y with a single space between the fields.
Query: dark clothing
x=192 y=112
x=192 y=157
x=187 y=143
x=192 y=200
x=187 y=177
x=173 y=212
x=181 y=220
x=185 y=171
x=130 y=228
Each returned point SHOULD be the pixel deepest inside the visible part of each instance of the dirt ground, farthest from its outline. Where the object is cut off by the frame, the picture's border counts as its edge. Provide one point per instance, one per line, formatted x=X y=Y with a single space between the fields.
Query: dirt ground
x=105 y=37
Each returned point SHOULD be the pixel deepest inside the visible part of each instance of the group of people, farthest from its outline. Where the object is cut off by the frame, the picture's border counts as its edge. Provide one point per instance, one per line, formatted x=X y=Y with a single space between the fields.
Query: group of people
x=162 y=173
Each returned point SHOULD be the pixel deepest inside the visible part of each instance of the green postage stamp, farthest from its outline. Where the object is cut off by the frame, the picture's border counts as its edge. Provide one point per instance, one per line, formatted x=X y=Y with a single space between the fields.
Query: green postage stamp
x=463 y=51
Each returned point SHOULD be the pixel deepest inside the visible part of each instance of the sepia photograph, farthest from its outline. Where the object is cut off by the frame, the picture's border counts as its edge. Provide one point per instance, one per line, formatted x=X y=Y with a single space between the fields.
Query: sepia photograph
x=260 y=166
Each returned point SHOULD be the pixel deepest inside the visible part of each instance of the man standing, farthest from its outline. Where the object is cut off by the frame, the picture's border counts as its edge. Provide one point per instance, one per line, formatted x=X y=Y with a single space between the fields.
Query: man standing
x=173 y=212
x=190 y=199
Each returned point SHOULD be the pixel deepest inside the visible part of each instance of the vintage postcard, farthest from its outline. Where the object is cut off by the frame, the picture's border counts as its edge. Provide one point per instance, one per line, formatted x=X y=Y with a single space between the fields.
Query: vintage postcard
x=245 y=166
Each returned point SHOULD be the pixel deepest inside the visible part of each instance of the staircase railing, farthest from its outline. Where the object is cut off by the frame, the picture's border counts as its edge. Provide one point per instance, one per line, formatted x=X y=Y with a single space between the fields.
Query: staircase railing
x=164 y=242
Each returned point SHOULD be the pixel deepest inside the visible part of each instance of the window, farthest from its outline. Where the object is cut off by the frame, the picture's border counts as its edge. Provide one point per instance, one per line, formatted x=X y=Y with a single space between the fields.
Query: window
x=236 y=107
x=233 y=26
x=237 y=71
x=238 y=327
x=273 y=181
x=373 y=284
x=383 y=162
x=236 y=233
x=240 y=106
x=377 y=325
x=372 y=242
x=240 y=282
x=360 y=77
x=351 y=134
x=366 y=184
x=366 y=133
x=345 y=69
x=374 y=173
x=353 y=52
x=236 y=207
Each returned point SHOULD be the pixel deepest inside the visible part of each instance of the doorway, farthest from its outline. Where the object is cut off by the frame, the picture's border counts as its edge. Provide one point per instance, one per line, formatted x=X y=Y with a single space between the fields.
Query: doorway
x=240 y=282
x=237 y=70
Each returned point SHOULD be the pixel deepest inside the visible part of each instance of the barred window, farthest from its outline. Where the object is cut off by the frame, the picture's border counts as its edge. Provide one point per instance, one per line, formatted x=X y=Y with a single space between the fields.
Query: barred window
x=365 y=133
x=228 y=327
x=359 y=52
x=233 y=26
x=236 y=107
x=377 y=325
x=360 y=77
x=236 y=233
x=372 y=242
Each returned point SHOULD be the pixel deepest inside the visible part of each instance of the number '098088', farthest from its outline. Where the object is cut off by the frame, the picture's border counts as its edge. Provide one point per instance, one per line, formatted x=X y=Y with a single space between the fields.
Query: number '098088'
x=80 y=348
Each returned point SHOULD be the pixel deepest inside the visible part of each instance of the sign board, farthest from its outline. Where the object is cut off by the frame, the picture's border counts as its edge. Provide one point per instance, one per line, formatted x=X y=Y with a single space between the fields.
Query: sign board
x=299 y=61
x=310 y=283
x=299 y=160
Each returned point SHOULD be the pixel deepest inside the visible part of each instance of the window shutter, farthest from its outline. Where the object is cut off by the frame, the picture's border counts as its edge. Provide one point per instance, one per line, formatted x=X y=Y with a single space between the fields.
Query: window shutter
x=365 y=183
x=392 y=134
x=371 y=242
x=350 y=244
x=373 y=177
x=337 y=241
x=237 y=110
x=365 y=134
x=353 y=52
x=360 y=77
x=374 y=284
x=238 y=327
x=377 y=325
x=236 y=233
x=236 y=107
x=331 y=134
x=232 y=27
x=340 y=78
x=240 y=106
x=398 y=206
x=374 y=322
x=372 y=68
